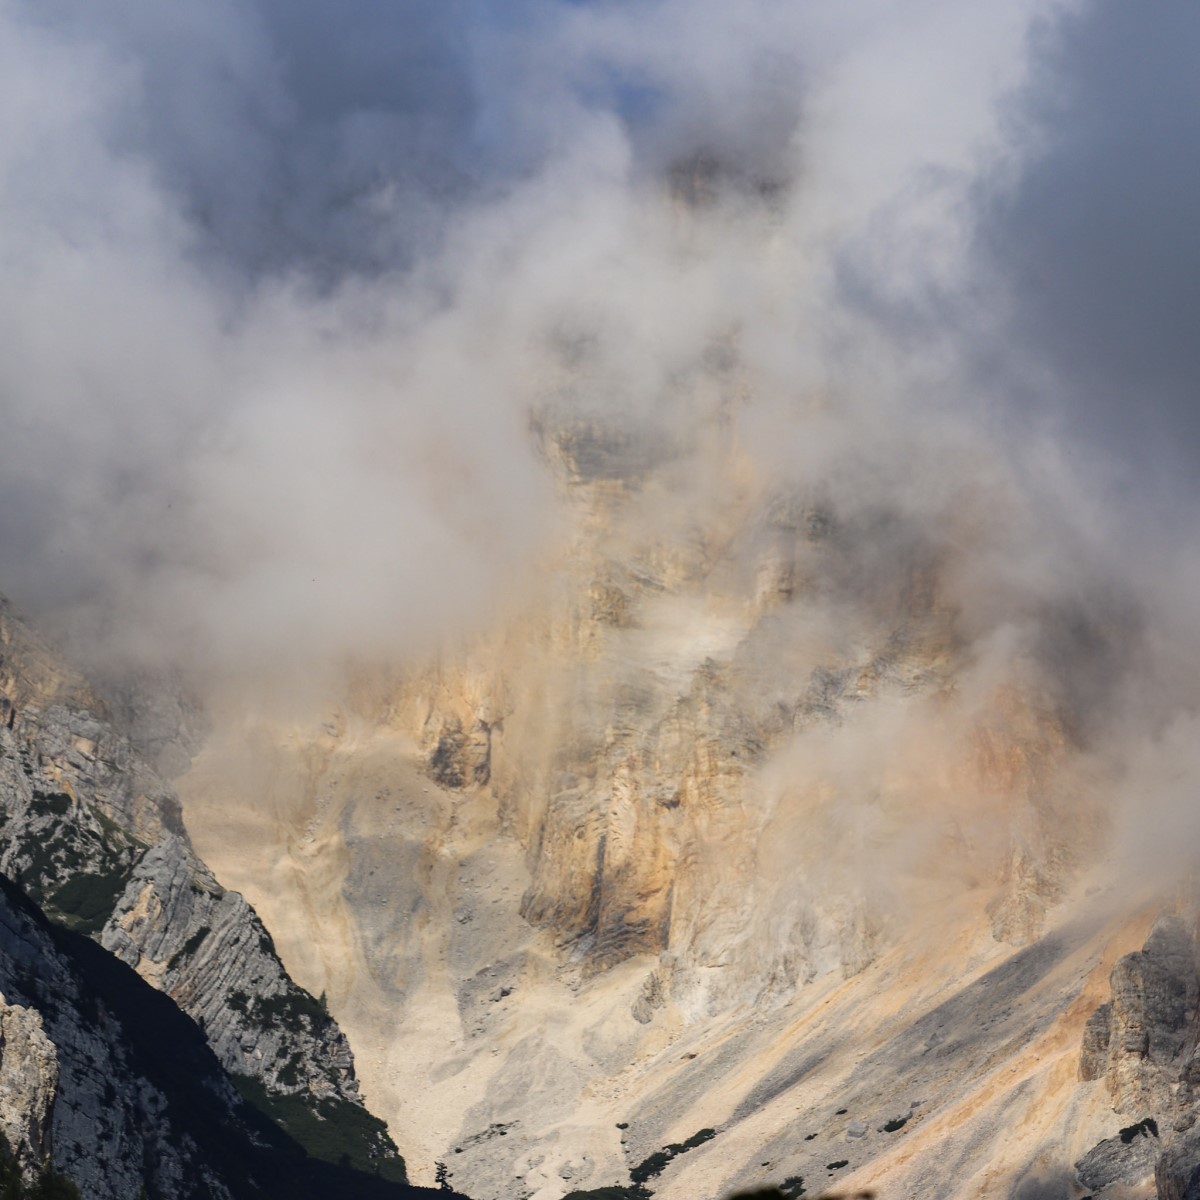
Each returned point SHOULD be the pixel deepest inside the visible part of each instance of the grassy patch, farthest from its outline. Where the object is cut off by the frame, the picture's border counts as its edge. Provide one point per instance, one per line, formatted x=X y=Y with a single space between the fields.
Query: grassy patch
x=85 y=902
x=335 y=1131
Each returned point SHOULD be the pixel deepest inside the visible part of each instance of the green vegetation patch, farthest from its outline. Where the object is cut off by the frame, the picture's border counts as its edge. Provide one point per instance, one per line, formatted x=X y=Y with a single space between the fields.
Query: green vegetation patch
x=74 y=872
x=293 y=1010
x=290 y=1073
x=50 y=803
x=45 y=855
x=111 y=831
x=239 y=1002
x=49 y=1185
x=85 y=902
x=332 y=1130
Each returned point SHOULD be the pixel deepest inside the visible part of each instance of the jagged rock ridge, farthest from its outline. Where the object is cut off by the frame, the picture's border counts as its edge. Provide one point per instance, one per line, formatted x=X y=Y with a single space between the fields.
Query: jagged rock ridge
x=1143 y=1047
x=92 y=833
x=103 y=1078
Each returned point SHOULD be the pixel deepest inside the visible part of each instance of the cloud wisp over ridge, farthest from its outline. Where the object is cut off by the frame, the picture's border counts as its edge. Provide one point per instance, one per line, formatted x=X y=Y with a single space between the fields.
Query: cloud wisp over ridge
x=283 y=288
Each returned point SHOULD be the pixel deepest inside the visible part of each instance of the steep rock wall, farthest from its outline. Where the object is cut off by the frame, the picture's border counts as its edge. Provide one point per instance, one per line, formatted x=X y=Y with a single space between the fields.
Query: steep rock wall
x=736 y=750
x=91 y=831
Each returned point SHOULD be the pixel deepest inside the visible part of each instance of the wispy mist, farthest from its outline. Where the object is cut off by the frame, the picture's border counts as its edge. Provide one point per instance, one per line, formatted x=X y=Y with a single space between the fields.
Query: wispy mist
x=287 y=291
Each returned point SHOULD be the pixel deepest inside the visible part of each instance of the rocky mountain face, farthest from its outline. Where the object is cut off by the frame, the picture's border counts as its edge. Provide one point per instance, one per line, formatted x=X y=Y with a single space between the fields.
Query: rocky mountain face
x=1142 y=1045
x=635 y=732
x=737 y=824
x=737 y=855
x=104 y=1079
x=28 y=1084
x=90 y=832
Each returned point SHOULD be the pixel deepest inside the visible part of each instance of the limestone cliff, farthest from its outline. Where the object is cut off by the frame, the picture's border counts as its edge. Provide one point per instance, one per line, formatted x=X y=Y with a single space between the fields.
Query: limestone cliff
x=103 y=1079
x=28 y=1084
x=740 y=754
x=1142 y=1045
x=92 y=833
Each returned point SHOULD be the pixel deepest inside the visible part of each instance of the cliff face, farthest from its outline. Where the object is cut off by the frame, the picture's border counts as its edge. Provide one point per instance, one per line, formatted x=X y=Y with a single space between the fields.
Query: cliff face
x=103 y=1079
x=97 y=839
x=92 y=833
x=1142 y=1046
x=74 y=1094
x=740 y=756
x=28 y=1084
x=671 y=734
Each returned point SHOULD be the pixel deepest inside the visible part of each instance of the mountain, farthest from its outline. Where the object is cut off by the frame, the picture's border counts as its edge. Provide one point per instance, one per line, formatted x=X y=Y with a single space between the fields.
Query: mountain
x=739 y=854
x=104 y=1077
x=91 y=834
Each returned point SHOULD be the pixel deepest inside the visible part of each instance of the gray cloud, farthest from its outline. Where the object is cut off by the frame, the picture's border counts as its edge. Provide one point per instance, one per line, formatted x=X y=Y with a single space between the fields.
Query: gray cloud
x=286 y=284
x=1097 y=240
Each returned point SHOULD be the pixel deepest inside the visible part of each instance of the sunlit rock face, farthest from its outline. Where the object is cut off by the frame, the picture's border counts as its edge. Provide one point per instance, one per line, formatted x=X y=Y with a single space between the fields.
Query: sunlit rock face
x=736 y=724
x=28 y=1084
x=738 y=756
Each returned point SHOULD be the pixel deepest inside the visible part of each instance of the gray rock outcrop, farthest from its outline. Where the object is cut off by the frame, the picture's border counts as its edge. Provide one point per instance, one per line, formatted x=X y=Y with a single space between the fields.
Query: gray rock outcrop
x=93 y=834
x=1142 y=1039
x=104 y=1081
x=1177 y=1172
x=28 y=1083
x=206 y=948
x=70 y=1092
x=1127 y=1158
x=1097 y=1037
x=1141 y=1045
